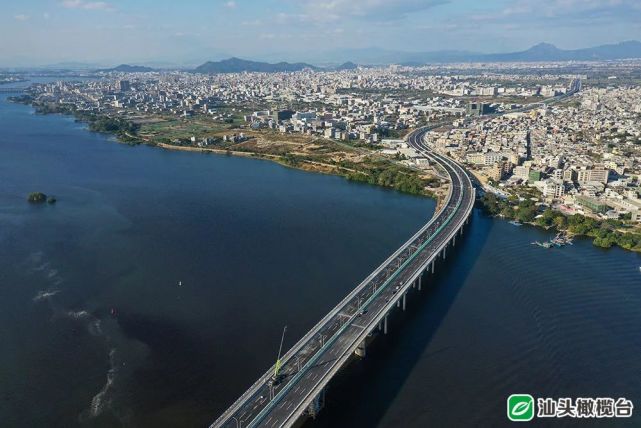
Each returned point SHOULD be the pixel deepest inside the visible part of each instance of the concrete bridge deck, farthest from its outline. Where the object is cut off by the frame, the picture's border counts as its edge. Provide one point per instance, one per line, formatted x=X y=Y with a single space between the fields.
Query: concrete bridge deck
x=309 y=365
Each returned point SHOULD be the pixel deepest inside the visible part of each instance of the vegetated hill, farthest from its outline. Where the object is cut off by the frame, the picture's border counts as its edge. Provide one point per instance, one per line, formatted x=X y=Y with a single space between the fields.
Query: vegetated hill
x=237 y=65
x=126 y=68
x=347 y=66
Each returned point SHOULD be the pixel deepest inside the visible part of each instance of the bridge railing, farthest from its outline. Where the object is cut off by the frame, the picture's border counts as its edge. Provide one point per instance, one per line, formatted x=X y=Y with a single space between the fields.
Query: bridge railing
x=319 y=326
x=325 y=379
x=238 y=404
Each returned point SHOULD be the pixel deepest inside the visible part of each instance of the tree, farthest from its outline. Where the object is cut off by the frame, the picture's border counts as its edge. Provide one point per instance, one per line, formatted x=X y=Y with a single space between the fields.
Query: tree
x=526 y=214
x=560 y=222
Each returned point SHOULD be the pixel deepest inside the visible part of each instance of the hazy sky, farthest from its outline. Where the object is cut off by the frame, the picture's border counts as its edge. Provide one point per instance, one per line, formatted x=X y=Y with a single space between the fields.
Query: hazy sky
x=34 y=32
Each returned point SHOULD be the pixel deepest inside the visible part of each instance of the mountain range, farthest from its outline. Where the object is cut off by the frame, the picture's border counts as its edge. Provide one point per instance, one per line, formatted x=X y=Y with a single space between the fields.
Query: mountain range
x=375 y=56
x=540 y=52
x=350 y=59
x=126 y=68
x=237 y=65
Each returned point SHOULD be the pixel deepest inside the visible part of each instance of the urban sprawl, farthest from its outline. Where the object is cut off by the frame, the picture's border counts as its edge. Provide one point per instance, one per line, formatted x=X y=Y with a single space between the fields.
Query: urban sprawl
x=568 y=134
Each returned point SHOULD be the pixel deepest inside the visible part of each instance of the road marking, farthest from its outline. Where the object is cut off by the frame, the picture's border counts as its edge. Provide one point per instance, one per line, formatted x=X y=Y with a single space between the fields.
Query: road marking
x=348 y=336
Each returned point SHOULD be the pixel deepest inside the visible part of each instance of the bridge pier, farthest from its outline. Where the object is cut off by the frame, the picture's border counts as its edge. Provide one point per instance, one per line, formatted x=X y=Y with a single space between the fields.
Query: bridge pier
x=312 y=393
x=316 y=405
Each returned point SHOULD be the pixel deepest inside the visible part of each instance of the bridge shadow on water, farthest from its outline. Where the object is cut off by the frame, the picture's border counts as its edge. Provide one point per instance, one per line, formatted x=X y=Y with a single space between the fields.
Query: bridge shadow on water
x=361 y=393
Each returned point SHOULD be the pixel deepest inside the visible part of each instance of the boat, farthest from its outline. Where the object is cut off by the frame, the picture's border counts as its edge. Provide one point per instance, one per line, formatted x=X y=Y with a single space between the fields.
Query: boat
x=542 y=244
x=515 y=223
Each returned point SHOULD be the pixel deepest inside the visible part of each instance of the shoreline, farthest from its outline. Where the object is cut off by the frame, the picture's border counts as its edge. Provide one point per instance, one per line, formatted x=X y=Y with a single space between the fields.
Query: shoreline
x=123 y=135
x=278 y=159
x=314 y=167
x=602 y=234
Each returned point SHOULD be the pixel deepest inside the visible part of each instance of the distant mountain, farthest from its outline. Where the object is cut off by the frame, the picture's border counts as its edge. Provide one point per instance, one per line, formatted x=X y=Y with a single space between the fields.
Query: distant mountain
x=548 y=52
x=540 y=52
x=347 y=66
x=126 y=68
x=237 y=65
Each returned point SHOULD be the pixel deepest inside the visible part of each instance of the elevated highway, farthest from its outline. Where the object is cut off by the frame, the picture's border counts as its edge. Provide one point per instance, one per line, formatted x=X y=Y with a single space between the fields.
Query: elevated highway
x=310 y=364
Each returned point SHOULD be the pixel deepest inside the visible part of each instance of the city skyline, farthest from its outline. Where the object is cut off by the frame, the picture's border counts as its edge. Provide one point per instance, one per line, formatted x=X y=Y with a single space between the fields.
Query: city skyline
x=46 y=32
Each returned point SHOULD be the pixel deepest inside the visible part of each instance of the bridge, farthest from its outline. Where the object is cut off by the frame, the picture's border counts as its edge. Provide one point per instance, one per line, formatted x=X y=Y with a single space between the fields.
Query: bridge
x=295 y=386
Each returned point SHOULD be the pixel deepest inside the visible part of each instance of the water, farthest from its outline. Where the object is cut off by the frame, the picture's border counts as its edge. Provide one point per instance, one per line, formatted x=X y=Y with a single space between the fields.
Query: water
x=501 y=316
x=257 y=246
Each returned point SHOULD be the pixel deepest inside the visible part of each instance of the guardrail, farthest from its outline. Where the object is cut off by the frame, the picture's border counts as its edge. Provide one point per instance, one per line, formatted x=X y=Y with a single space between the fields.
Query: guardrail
x=253 y=390
x=326 y=378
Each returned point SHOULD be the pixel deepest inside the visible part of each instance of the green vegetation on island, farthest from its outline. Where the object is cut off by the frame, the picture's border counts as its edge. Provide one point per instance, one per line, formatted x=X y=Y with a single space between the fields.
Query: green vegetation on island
x=37 y=198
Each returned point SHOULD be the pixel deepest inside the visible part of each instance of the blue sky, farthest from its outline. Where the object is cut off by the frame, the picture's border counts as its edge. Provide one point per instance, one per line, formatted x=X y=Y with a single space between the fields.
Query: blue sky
x=35 y=32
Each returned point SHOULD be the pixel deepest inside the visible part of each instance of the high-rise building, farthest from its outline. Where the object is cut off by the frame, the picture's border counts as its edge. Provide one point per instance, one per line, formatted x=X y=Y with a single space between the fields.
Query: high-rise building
x=478 y=109
x=124 y=86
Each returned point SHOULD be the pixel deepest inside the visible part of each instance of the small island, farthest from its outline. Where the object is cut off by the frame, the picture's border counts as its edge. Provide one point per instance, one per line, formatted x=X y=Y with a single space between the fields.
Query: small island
x=41 y=198
x=37 y=198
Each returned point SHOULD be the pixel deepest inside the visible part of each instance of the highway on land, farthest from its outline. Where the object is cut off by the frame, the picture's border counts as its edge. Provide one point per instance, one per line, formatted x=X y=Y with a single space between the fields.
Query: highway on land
x=310 y=364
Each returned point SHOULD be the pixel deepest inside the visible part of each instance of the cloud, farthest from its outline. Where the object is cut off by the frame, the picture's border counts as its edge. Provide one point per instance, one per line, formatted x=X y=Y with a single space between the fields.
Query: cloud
x=21 y=17
x=370 y=9
x=560 y=8
x=556 y=14
x=230 y=4
x=87 y=5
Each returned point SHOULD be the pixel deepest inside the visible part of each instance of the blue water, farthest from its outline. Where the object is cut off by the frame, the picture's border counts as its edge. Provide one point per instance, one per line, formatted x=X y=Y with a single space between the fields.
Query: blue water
x=257 y=246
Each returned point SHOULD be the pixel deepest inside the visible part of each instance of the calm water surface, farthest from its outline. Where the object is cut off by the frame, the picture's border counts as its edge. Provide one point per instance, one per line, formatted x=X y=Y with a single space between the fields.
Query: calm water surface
x=257 y=246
